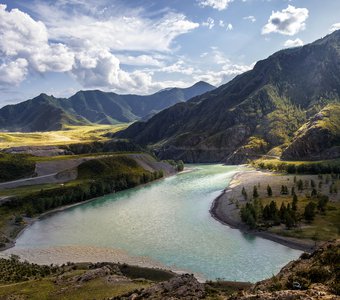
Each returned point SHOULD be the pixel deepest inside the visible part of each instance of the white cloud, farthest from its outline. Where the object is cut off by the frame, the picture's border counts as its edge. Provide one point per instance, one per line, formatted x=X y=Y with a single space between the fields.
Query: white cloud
x=250 y=18
x=293 y=43
x=23 y=39
x=118 y=32
x=14 y=72
x=289 y=21
x=226 y=68
x=140 y=60
x=334 y=27
x=210 y=23
x=216 y=4
x=88 y=46
x=178 y=67
x=228 y=72
x=227 y=26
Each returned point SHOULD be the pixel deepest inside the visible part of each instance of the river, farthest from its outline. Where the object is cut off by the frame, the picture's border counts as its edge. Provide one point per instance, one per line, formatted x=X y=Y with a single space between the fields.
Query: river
x=168 y=222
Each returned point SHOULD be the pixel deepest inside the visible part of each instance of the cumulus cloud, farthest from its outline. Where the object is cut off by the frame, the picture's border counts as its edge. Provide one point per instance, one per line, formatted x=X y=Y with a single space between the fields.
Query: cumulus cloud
x=293 y=43
x=216 y=4
x=334 y=27
x=210 y=23
x=250 y=18
x=13 y=72
x=140 y=60
x=178 y=67
x=87 y=48
x=228 y=72
x=24 y=39
x=289 y=21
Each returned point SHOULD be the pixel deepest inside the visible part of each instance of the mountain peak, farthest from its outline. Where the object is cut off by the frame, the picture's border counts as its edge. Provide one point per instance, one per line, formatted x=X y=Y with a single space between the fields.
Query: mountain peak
x=203 y=83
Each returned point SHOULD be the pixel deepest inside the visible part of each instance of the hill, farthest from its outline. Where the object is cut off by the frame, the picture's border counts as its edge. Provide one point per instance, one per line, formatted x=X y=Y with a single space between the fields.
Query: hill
x=46 y=113
x=319 y=138
x=258 y=111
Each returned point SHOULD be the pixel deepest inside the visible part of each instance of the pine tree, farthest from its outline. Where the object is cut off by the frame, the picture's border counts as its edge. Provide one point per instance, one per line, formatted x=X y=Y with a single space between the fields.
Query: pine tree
x=269 y=191
x=294 y=202
x=314 y=193
x=282 y=211
x=309 y=213
x=282 y=190
x=255 y=192
x=244 y=193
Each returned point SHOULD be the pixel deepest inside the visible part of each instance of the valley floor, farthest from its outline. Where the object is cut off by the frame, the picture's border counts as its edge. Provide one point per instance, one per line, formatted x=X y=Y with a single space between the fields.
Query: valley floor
x=305 y=237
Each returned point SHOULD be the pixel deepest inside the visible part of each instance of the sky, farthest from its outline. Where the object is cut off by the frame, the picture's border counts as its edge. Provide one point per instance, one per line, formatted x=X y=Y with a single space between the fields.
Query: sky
x=142 y=46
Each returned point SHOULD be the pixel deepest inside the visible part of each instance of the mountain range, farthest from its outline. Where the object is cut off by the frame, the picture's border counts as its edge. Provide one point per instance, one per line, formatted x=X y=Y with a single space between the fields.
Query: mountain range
x=287 y=105
x=45 y=113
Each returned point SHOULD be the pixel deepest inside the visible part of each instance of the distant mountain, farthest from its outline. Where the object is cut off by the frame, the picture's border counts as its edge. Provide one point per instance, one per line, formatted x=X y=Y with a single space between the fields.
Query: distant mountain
x=45 y=112
x=258 y=111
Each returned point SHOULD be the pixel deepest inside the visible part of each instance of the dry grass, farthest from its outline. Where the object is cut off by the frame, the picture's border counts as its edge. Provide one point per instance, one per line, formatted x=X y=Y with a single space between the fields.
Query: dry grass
x=70 y=135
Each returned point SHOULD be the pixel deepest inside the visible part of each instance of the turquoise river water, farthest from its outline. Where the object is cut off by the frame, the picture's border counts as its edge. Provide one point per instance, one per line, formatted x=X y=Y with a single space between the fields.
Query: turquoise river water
x=169 y=222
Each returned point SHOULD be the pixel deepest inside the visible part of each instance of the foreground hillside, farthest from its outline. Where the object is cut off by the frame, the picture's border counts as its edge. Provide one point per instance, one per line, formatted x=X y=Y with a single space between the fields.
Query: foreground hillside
x=46 y=113
x=313 y=276
x=258 y=112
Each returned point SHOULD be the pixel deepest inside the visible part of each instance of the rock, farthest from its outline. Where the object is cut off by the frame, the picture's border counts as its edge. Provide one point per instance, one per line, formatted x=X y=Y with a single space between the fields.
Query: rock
x=181 y=287
x=93 y=274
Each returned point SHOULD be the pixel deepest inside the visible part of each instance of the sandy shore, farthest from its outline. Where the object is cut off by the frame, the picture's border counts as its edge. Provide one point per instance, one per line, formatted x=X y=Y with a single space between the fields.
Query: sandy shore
x=225 y=211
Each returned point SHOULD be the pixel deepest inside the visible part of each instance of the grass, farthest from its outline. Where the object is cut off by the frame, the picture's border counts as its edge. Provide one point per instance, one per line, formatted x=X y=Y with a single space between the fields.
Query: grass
x=15 y=166
x=324 y=227
x=47 y=289
x=24 y=280
x=298 y=167
x=69 y=135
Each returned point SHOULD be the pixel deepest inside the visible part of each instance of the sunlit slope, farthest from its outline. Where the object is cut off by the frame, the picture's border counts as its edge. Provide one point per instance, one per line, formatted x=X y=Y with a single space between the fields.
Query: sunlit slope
x=70 y=135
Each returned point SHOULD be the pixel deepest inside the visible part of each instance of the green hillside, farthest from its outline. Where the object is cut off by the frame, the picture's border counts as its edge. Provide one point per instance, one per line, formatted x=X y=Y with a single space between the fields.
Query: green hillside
x=269 y=103
x=46 y=113
x=319 y=138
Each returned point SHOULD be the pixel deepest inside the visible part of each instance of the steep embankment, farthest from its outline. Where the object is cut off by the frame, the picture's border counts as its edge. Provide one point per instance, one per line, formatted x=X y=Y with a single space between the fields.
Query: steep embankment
x=268 y=104
x=45 y=113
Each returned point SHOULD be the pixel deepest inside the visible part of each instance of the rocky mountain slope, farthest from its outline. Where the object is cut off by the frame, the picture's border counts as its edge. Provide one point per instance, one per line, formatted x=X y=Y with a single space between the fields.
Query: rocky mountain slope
x=45 y=113
x=252 y=114
x=319 y=138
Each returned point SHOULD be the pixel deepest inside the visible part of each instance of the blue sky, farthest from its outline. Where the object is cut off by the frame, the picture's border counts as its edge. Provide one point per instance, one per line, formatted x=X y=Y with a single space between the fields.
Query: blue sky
x=142 y=46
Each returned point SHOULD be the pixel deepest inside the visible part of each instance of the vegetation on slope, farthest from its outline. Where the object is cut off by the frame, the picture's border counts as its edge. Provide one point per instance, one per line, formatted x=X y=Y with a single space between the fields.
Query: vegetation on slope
x=15 y=166
x=69 y=135
x=96 y=177
x=319 y=138
x=270 y=102
x=321 y=267
x=299 y=167
x=305 y=206
x=46 y=113
x=73 y=281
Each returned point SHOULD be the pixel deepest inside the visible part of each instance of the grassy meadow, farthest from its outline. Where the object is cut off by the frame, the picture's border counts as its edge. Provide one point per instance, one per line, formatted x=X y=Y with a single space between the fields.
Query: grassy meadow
x=69 y=135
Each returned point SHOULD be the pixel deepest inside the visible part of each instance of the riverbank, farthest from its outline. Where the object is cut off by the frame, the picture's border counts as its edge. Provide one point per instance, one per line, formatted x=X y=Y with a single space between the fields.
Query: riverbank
x=18 y=229
x=225 y=208
x=11 y=229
